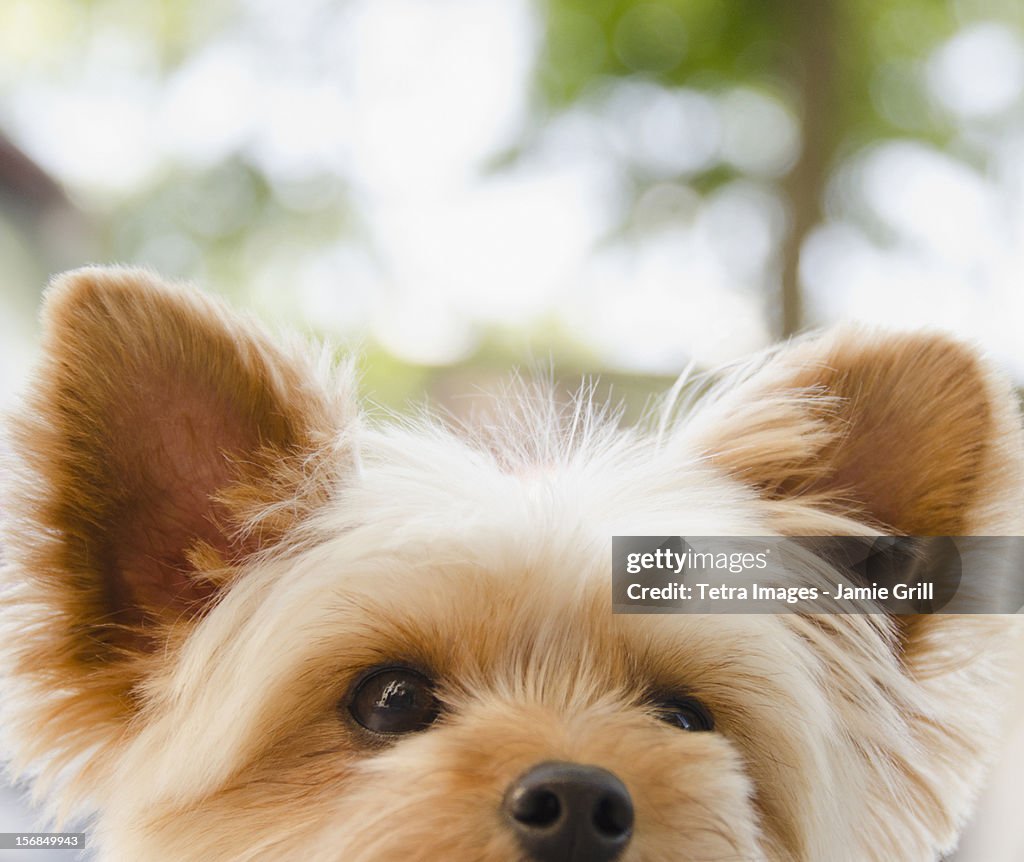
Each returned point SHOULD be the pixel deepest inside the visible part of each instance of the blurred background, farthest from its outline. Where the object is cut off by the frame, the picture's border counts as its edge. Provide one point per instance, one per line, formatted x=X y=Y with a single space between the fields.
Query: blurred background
x=455 y=187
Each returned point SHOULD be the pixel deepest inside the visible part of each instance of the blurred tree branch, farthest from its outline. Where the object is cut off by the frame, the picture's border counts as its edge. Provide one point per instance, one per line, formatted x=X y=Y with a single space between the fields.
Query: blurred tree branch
x=24 y=183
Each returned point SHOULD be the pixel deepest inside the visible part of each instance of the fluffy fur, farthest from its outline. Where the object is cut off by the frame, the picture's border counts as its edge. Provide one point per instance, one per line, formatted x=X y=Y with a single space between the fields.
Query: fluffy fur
x=205 y=544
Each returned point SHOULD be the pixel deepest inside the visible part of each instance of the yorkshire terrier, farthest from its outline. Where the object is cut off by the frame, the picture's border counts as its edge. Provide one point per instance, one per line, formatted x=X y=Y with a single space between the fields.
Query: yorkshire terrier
x=244 y=621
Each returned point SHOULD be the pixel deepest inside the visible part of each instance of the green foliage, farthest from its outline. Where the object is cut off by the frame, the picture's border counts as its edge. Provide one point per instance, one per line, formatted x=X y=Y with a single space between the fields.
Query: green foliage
x=673 y=42
x=713 y=44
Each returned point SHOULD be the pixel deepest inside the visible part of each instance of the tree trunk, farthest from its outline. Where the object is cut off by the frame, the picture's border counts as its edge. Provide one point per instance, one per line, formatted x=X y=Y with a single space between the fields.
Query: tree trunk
x=813 y=40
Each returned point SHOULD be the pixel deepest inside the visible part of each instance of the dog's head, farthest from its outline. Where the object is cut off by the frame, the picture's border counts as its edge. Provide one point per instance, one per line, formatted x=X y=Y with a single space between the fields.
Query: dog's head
x=244 y=622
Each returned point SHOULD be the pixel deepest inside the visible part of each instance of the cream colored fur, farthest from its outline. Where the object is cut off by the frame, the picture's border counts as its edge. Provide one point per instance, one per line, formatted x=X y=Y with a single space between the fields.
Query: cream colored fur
x=188 y=696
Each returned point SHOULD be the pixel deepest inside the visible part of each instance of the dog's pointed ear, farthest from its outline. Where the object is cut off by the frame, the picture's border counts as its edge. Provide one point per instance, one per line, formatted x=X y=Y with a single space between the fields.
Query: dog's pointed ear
x=910 y=434
x=165 y=441
x=861 y=431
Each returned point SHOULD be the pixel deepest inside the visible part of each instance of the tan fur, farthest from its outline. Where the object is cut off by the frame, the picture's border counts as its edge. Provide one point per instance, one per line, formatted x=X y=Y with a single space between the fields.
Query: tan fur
x=206 y=547
x=110 y=390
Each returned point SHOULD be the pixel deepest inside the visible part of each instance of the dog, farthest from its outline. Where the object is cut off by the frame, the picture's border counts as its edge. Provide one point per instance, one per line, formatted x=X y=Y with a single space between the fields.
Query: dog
x=245 y=621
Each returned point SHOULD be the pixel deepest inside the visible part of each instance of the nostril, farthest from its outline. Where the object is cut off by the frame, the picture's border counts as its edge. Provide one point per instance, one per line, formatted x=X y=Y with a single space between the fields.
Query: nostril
x=569 y=812
x=537 y=807
x=613 y=816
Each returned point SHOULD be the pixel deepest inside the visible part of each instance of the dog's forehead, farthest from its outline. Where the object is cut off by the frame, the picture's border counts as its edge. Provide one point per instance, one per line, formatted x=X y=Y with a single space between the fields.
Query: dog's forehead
x=439 y=541
x=411 y=566
x=438 y=482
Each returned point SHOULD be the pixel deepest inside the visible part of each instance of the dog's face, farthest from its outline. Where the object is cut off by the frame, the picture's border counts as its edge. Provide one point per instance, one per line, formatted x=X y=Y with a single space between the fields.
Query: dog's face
x=245 y=623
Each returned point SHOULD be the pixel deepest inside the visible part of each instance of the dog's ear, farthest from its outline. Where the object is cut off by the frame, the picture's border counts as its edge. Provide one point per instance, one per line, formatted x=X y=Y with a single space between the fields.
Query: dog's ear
x=907 y=433
x=164 y=442
x=864 y=431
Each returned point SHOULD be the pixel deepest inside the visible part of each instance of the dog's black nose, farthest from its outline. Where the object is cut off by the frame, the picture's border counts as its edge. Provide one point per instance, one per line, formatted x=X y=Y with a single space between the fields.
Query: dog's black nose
x=565 y=812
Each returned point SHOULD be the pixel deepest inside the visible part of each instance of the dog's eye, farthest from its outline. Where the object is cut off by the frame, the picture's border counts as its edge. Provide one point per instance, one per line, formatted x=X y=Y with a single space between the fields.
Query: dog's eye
x=394 y=700
x=686 y=713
